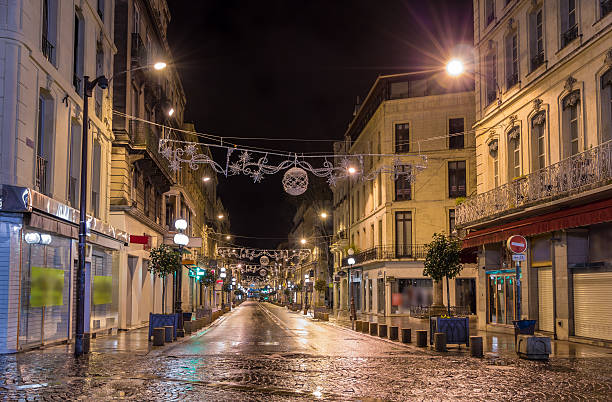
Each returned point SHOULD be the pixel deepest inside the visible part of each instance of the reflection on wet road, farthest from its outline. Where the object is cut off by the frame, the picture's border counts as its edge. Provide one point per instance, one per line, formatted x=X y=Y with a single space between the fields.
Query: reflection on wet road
x=263 y=352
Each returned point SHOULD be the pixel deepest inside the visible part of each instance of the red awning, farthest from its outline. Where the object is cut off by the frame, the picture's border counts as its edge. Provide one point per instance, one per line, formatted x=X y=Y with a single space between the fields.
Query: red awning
x=596 y=212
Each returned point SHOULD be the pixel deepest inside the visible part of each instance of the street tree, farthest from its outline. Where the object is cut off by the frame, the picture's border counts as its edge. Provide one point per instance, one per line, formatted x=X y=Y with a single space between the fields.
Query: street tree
x=164 y=261
x=443 y=260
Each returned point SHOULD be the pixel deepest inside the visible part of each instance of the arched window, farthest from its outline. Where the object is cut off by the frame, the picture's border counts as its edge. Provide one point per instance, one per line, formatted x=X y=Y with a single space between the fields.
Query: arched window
x=538 y=141
x=570 y=124
x=606 y=106
x=493 y=151
x=514 y=153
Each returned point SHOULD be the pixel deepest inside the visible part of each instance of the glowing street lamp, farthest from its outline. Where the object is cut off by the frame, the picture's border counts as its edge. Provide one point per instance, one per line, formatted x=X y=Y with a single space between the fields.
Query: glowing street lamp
x=303 y=241
x=205 y=179
x=455 y=67
x=160 y=65
x=323 y=215
x=220 y=216
x=352 y=170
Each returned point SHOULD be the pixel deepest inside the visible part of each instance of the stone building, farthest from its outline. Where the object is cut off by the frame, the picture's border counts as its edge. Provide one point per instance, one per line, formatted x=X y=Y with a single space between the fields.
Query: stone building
x=416 y=120
x=543 y=151
x=47 y=48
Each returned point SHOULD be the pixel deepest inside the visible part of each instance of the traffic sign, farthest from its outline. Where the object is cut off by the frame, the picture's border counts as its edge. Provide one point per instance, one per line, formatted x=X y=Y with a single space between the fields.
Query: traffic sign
x=519 y=257
x=517 y=244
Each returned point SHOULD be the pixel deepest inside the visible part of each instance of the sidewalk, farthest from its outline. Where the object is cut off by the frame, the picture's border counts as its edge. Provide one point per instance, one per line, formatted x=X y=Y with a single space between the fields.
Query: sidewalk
x=494 y=344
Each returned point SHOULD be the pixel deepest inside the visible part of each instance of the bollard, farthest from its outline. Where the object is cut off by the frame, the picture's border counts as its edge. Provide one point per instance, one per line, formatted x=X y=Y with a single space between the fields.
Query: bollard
x=476 y=346
x=382 y=330
x=406 y=335
x=159 y=336
x=169 y=333
x=393 y=333
x=365 y=327
x=358 y=326
x=440 y=341
x=373 y=328
x=421 y=338
x=187 y=326
x=325 y=316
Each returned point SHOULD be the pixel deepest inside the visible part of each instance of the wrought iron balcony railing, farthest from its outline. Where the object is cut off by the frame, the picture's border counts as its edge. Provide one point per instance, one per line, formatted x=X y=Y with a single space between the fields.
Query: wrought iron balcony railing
x=511 y=80
x=389 y=252
x=47 y=49
x=569 y=35
x=587 y=170
x=537 y=61
x=146 y=136
x=139 y=51
x=41 y=174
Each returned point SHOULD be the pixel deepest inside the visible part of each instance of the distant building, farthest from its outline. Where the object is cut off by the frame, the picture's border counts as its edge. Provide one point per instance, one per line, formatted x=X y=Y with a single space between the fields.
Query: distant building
x=543 y=149
x=387 y=221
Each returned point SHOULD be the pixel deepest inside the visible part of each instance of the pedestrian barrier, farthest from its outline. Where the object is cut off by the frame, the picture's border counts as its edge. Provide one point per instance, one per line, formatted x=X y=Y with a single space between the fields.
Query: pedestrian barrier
x=365 y=327
x=159 y=336
x=187 y=326
x=358 y=326
x=476 y=346
x=373 y=328
x=325 y=316
x=382 y=330
x=393 y=333
x=169 y=333
x=421 y=338
x=440 y=341
x=406 y=335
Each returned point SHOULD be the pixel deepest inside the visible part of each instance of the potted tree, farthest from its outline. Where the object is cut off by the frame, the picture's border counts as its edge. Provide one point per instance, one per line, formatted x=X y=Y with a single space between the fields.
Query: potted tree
x=164 y=261
x=320 y=286
x=443 y=261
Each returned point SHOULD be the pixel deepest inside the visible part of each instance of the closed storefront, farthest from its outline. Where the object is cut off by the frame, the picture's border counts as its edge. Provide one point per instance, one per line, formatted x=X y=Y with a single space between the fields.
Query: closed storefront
x=407 y=293
x=593 y=305
x=104 y=289
x=545 y=299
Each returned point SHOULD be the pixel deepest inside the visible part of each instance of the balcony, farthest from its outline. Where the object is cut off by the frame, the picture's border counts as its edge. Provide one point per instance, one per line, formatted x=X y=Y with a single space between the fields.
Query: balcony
x=41 y=174
x=389 y=252
x=537 y=61
x=606 y=7
x=569 y=35
x=145 y=137
x=588 y=170
x=139 y=52
x=47 y=49
x=511 y=80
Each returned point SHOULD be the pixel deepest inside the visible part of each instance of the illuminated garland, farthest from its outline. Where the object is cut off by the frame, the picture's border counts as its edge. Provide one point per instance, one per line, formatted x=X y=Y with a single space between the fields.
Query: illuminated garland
x=252 y=253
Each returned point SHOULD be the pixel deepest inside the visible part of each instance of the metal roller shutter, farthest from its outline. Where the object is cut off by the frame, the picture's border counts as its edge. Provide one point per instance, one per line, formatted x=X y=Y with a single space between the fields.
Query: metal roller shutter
x=545 y=300
x=593 y=305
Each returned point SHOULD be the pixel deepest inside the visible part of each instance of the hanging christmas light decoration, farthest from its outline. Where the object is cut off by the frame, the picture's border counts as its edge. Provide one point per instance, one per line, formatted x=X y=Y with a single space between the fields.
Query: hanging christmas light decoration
x=295 y=181
x=245 y=253
x=264 y=260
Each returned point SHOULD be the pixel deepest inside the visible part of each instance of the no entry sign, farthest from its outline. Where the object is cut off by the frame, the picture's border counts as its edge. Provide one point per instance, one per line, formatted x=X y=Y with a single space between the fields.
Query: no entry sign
x=517 y=244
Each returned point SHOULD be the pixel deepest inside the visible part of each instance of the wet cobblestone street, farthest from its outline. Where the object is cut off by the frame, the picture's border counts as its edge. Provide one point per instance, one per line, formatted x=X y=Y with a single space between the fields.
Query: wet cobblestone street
x=264 y=352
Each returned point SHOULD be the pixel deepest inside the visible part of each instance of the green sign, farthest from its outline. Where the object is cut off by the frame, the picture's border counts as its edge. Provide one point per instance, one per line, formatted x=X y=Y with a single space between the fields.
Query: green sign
x=46 y=287
x=102 y=290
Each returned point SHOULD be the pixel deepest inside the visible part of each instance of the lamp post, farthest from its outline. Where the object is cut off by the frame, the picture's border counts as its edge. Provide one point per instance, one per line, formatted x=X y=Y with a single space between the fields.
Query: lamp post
x=351 y=262
x=181 y=240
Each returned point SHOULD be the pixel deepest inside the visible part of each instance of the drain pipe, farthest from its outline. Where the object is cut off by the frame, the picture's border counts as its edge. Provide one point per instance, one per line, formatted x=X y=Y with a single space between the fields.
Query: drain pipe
x=554 y=240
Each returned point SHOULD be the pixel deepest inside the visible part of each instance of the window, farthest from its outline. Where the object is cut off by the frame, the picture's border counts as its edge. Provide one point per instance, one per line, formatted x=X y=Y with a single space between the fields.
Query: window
x=403 y=188
x=491 y=77
x=538 y=141
x=44 y=141
x=456 y=179
x=49 y=29
x=77 y=53
x=380 y=186
x=606 y=7
x=489 y=11
x=136 y=27
x=514 y=153
x=403 y=234
x=95 y=180
x=496 y=169
x=570 y=127
x=101 y=9
x=135 y=180
x=74 y=164
x=399 y=90
x=536 y=36
x=380 y=233
x=569 y=22
x=511 y=60
x=99 y=72
x=402 y=138
x=451 y=221
x=455 y=132
x=147 y=197
x=606 y=106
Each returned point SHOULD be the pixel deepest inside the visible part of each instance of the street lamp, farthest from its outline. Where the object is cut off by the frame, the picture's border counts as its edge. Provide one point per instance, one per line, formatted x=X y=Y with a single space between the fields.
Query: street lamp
x=323 y=215
x=181 y=240
x=220 y=216
x=205 y=179
x=455 y=67
x=303 y=241
x=351 y=262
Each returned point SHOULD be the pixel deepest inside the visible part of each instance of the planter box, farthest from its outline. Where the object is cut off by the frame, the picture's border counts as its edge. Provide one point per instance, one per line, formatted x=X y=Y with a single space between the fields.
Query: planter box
x=162 y=320
x=457 y=329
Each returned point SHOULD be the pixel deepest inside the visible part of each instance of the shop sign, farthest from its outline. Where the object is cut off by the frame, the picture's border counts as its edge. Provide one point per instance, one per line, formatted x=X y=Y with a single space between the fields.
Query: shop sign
x=517 y=244
x=390 y=278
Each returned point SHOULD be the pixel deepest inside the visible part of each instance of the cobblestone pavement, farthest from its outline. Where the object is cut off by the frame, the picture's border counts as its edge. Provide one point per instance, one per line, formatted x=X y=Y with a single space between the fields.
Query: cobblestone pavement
x=263 y=352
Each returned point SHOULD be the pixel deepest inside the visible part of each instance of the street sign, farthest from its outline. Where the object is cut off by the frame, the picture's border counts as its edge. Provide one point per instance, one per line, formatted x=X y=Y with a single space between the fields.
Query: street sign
x=517 y=244
x=518 y=257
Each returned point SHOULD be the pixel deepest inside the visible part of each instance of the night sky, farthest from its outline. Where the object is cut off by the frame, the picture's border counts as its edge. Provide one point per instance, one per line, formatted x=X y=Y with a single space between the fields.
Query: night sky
x=293 y=69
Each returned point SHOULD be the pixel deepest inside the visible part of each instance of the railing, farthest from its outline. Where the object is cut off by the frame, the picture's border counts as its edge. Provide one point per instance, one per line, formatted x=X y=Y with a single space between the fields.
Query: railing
x=588 y=169
x=146 y=136
x=569 y=35
x=389 y=252
x=511 y=80
x=537 y=61
x=47 y=49
x=139 y=52
x=491 y=96
x=425 y=311
x=41 y=174
x=76 y=83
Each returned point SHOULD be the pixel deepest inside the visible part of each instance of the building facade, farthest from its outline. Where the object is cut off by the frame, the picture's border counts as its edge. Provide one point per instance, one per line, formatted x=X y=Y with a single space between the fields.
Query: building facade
x=543 y=130
x=47 y=48
x=386 y=221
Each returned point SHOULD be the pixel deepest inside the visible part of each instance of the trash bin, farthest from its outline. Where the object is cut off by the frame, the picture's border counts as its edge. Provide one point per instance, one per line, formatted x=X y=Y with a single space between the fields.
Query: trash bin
x=523 y=327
